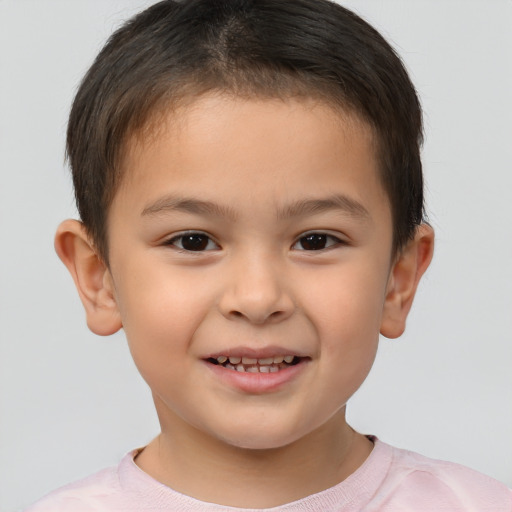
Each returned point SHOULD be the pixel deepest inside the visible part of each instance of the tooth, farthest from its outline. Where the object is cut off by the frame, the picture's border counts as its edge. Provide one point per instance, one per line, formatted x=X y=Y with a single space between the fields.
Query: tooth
x=230 y=367
x=278 y=359
x=267 y=361
x=235 y=360
x=265 y=369
x=249 y=360
x=222 y=359
x=240 y=368
x=252 y=369
x=288 y=359
x=273 y=369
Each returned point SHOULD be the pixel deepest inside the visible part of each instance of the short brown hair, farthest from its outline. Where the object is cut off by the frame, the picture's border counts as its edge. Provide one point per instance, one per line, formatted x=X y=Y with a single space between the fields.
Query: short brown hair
x=178 y=49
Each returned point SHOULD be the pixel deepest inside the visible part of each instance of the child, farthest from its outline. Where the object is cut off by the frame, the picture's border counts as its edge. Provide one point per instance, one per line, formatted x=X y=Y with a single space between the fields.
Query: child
x=250 y=190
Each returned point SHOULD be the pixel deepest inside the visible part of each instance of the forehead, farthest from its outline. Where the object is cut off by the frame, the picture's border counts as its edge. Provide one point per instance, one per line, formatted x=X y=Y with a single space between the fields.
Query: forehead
x=269 y=150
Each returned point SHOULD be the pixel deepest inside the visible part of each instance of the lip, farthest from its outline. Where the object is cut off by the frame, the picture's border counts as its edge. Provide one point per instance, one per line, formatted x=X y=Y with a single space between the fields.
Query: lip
x=259 y=353
x=257 y=383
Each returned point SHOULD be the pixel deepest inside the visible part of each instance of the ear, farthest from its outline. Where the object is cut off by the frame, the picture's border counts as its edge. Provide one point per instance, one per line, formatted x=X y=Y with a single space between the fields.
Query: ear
x=404 y=277
x=92 y=277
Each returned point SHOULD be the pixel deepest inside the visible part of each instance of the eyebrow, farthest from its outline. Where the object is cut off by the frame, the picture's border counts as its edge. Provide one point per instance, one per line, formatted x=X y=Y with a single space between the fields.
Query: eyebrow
x=298 y=208
x=172 y=203
x=338 y=202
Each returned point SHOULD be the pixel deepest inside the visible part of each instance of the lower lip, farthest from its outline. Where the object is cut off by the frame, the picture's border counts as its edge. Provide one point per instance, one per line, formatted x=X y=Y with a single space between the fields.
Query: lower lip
x=257 y=383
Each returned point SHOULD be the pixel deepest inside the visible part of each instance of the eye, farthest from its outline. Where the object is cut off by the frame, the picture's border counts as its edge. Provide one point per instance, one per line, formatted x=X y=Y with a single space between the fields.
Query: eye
x=316 y=242
x=193 y=242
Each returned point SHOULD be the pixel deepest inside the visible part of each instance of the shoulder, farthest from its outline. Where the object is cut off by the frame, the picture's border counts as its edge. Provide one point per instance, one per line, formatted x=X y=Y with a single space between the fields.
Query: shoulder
x=422 y=483
x=90 y=494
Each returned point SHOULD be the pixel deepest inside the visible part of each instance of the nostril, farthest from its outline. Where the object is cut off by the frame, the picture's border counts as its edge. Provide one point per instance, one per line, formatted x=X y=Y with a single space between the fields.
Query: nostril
x=259 y=317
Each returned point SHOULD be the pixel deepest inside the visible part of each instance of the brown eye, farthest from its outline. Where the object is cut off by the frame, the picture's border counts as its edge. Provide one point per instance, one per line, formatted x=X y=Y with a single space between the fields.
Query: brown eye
x=194 y=242
x=313 y=242
x=316 y=242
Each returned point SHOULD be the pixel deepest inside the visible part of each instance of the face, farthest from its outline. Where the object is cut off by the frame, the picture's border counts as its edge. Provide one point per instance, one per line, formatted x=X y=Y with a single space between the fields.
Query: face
x=250 y=254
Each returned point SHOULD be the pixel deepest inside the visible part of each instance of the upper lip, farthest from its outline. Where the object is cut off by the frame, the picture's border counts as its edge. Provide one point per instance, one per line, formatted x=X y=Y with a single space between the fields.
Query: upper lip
x=256 y=353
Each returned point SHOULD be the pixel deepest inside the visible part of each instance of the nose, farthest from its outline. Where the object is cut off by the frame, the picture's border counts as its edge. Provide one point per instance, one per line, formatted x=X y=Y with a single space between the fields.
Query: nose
x=257 y=291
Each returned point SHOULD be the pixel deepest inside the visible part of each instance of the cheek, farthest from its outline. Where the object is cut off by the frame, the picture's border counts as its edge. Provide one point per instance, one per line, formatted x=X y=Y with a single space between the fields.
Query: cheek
x=347 y=316
x=346 y=303
x=161 y=309
x=154 y=295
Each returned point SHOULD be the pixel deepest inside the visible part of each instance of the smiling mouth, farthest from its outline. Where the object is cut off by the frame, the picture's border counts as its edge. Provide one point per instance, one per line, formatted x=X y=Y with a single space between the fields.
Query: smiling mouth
x=253 y=365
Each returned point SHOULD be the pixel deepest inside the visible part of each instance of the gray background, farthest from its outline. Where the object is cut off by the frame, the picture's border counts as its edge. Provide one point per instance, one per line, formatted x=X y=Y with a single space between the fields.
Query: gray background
x=71 y=402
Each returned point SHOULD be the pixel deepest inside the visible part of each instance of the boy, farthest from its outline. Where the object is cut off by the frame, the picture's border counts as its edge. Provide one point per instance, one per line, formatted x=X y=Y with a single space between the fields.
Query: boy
x=249 y=184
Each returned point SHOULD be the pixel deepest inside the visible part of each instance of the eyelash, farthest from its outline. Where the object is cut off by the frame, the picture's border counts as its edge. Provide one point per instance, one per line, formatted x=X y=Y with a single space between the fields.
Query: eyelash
x=198 y=234
x=203 y=241
x=330 y=241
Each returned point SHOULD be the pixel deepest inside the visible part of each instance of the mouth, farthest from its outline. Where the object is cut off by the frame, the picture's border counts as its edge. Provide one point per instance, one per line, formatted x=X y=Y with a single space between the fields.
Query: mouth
x=246 y=364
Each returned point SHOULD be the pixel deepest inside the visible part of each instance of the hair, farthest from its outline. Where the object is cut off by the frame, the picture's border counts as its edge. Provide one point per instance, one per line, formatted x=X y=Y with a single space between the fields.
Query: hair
x=178 y=50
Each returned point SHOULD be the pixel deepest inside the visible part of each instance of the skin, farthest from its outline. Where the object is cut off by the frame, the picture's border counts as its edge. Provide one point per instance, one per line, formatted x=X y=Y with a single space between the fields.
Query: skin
x=255 y=286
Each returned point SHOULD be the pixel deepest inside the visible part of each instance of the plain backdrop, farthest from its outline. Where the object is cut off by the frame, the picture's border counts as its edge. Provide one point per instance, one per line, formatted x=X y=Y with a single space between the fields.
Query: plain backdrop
x=71 y=402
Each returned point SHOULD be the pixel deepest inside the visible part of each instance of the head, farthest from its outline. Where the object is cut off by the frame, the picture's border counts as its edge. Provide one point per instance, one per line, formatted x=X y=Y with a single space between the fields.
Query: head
x=249 y=182
x=177 y=51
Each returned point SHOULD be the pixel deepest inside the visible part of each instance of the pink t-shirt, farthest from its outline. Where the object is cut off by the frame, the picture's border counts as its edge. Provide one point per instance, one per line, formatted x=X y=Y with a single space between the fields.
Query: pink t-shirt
x=390 y=480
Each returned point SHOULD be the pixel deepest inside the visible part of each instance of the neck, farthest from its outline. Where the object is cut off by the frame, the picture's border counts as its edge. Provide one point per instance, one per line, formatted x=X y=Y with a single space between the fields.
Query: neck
x=193 y=463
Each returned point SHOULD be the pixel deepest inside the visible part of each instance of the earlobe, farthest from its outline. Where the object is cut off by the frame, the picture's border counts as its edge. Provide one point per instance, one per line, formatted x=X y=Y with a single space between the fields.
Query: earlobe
x=409 y=267
x=91 y=276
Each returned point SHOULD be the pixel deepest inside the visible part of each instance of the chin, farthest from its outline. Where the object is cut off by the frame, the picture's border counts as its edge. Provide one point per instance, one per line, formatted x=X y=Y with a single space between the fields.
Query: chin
x=260 y=444
x=261 y=438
